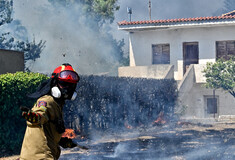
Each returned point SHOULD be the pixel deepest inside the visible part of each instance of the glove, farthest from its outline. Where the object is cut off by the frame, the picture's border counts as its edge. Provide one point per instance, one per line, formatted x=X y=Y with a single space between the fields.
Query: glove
x=66 y=142
x=30 y=116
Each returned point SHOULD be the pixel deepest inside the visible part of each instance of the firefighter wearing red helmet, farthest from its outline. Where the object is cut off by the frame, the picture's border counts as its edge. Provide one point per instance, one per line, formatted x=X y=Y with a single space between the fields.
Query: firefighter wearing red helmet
x=66 y=79
x=45 y=123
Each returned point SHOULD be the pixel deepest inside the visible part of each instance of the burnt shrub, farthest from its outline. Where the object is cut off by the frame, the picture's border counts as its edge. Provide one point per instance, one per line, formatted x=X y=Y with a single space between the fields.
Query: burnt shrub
x=110 y=102
x=13 y=91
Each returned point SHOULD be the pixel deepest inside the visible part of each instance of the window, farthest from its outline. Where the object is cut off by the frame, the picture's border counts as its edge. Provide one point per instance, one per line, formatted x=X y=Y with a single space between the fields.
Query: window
x=225 y=49
x=161 y=53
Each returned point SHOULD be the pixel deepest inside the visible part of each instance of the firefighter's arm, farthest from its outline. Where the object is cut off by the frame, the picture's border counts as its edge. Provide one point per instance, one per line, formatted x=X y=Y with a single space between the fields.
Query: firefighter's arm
x=37 y=115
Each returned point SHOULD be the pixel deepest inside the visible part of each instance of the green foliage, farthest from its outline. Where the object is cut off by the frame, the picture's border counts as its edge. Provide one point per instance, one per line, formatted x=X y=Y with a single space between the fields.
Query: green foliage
x=105 y=8
x=221 y=74
x=13 y=91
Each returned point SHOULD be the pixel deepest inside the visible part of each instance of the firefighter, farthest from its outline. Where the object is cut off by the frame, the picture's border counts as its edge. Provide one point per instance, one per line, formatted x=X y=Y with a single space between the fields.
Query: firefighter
x=45 y=123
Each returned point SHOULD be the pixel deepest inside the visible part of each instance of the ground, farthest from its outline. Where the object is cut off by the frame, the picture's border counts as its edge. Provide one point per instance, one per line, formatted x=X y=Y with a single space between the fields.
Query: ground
x=174 y=141
x=170 y=141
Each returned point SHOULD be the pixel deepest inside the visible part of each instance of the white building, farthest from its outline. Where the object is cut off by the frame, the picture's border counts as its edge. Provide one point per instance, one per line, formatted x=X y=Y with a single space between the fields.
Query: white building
x=179 y=49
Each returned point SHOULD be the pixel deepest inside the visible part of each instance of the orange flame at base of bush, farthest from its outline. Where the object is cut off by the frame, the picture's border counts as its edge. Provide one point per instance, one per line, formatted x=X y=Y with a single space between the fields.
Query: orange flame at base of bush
x=160 y=120
x=69 y=133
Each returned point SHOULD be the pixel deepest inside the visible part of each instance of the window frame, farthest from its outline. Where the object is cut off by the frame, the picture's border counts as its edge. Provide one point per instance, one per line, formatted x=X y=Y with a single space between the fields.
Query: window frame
x=227 y=50
x=163 y=55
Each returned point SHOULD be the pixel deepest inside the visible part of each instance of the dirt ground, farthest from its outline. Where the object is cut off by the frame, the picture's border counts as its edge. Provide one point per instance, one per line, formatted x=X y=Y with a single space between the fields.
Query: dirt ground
x=174 y=141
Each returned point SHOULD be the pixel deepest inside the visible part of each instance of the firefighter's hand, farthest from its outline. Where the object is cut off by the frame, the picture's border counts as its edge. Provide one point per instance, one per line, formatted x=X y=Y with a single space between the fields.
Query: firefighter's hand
x=30 y=116
x=66 y=142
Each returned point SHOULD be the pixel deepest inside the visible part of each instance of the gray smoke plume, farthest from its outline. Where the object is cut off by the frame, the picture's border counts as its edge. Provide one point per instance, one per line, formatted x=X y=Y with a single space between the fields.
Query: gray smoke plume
x=68 y=38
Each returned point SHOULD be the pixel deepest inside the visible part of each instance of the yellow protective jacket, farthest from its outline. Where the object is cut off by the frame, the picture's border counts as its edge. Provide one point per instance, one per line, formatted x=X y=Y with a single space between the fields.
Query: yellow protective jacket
x=41 y=139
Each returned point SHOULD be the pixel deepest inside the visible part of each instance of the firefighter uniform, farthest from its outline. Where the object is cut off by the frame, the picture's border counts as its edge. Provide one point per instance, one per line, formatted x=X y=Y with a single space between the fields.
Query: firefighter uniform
x=41 y=139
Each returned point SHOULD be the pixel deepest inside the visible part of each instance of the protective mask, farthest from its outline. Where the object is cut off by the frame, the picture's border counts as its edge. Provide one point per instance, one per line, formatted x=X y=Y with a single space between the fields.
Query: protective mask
x=55 y=92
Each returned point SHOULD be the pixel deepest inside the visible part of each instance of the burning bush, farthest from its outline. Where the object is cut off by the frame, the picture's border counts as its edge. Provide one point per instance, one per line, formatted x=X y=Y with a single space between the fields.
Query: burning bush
x=112 y=102
x=13 y=91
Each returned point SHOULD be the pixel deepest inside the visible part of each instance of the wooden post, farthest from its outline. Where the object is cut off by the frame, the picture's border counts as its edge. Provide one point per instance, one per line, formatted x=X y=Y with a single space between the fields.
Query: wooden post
x=214 y=101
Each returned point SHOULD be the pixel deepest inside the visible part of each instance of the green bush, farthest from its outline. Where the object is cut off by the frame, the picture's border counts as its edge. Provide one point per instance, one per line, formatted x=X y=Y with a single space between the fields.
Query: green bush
x=13 y=90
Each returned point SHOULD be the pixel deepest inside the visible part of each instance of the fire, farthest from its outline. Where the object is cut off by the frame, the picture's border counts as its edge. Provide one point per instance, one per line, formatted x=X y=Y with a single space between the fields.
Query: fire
x=160 y=120
x=127 y=125
x=69 y=133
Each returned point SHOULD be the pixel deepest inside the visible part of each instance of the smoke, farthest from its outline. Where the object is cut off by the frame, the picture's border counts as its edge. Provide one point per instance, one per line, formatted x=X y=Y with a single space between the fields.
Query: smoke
x=119 y=149
x=168 y=9
x=16 y=29
x=68 y=38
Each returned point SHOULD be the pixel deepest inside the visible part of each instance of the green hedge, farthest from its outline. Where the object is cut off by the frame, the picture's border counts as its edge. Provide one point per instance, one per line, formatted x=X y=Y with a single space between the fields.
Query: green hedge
x=13 y=91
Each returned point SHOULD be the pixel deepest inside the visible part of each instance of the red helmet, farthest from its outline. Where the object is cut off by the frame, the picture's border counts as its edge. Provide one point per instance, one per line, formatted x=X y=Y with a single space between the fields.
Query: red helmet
x=66 y=73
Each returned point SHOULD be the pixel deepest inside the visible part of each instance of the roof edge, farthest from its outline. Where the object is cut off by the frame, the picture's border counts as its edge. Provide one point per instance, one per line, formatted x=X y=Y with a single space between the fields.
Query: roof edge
x=196 y=19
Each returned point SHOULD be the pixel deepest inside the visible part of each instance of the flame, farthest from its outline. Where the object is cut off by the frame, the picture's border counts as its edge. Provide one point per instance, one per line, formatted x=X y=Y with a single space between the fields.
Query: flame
x=127 y=125
x=160 y=119
x=69 y=133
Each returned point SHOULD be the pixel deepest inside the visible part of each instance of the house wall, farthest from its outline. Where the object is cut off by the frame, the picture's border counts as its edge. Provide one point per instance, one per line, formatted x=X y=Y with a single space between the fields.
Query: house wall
x=141 y=44
x=192 y=95
x=11 y=61
x=195 y=102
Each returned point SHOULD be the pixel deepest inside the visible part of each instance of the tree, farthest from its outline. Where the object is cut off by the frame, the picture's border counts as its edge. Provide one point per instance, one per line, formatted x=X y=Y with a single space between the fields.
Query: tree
x=32 y=50
x=221 y=74
x=5 y=11
x=105 y=9
x=98 y=10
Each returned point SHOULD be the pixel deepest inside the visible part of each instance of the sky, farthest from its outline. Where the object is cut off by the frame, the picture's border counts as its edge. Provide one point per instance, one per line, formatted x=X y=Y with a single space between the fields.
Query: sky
x=65 y=32
x=167 y=9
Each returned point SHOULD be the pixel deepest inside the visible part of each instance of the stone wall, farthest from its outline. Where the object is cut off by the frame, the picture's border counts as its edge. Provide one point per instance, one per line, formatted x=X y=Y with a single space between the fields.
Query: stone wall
x=163 y=71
